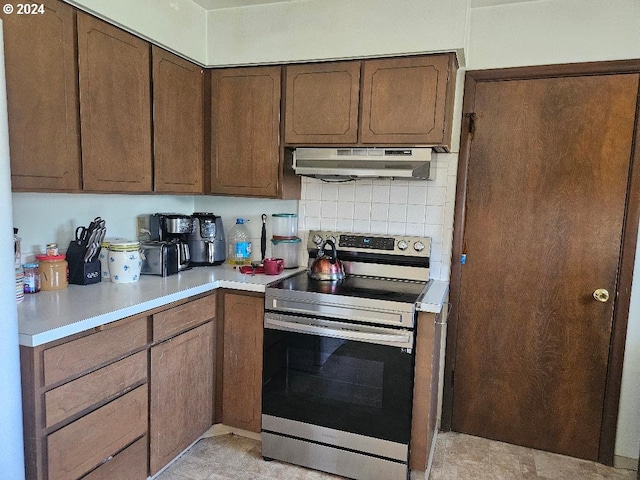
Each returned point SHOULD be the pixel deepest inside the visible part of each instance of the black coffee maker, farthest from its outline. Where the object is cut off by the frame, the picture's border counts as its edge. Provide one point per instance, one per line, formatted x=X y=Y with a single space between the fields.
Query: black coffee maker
x=174 y=228
x=206 y=240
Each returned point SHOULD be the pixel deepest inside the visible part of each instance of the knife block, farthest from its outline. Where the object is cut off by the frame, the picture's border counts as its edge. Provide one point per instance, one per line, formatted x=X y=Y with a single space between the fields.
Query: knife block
x=81 y=272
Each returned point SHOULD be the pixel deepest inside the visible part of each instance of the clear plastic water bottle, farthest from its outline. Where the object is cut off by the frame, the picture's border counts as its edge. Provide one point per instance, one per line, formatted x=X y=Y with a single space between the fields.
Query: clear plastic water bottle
x=239 y=244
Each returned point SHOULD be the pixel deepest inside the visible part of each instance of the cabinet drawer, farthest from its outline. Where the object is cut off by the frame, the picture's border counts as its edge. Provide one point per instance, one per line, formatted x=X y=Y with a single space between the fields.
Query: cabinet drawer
x=86 y=353
x=82 y=393
x=129 y=464
x=86 y=443
x=180 y=318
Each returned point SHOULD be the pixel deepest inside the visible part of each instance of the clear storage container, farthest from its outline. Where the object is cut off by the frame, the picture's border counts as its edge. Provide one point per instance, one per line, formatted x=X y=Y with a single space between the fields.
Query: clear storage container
x=286 y=249
x=284 y=226
x=31 y=277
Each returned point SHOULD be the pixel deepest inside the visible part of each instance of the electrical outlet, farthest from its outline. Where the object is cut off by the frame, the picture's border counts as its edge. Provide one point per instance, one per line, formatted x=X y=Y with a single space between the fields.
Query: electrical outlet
x=142 y=228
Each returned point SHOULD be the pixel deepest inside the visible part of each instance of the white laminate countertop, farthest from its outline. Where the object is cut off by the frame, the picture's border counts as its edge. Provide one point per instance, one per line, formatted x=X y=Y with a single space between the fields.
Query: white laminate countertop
x=47 y=316
x=433 y=297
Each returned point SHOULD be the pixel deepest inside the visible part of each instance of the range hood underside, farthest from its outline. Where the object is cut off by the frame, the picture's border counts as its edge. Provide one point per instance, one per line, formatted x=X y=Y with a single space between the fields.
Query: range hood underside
x=336 y=164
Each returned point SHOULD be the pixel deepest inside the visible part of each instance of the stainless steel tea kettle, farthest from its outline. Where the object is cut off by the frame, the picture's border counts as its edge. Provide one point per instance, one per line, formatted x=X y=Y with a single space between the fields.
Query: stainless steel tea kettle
x=327 y=267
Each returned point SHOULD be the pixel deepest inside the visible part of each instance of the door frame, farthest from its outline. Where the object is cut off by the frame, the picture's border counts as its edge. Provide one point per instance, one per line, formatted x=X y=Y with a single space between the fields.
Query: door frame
x=627 y=253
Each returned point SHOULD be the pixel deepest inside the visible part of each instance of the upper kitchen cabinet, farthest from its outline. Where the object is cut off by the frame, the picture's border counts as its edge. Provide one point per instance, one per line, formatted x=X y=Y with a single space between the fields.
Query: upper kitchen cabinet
x=408 y=100
x=404 y=100
x=245 y=132
x=42 y=99
x=115 y=108
x=178 y=123
x=321 y=103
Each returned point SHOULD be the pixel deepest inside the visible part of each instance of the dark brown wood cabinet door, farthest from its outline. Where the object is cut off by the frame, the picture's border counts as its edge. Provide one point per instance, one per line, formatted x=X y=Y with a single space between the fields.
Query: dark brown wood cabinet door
x=242 y=363
x=321 y=103
x=115 y=108
x=407 y=100
x=178 y=124
x=546 y=185
x=245 y=118
x=42 y=98
x=181 y=393
x=83 y=445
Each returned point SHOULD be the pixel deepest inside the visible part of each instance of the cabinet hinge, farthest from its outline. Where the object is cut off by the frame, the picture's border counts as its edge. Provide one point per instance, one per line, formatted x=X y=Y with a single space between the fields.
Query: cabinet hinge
x=472 y=122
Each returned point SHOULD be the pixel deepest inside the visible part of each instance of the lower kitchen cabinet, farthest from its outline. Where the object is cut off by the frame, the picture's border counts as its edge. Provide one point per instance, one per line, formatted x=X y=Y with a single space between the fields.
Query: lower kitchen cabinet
x=426 y=387
x=129 y=464
x=85 y=401
x=86 y=443
x=122 y=400
x=242 y=360
x=181 y=391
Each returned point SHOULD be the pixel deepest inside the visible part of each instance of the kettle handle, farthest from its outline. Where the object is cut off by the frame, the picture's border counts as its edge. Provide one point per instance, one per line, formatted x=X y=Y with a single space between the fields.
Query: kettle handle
x=334 y=252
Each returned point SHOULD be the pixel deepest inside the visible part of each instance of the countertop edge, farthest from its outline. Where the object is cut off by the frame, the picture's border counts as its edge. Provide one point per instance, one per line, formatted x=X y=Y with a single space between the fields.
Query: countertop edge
x=41 y=335
x=433 y=297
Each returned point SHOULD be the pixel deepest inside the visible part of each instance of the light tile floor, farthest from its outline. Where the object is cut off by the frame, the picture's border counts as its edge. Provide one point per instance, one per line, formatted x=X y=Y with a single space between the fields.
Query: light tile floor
x=457 y=457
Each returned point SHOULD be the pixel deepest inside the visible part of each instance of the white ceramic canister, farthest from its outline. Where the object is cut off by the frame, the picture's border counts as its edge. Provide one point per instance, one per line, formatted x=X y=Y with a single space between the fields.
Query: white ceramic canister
x=104 y=255
x=124 y=261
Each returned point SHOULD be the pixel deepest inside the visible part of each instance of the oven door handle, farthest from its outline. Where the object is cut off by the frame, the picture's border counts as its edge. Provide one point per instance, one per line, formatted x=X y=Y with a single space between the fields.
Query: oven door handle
x=402 y=339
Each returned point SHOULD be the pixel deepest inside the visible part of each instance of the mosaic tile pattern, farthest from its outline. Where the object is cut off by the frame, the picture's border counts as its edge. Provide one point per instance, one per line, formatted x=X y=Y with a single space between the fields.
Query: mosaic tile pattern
x=457 y=457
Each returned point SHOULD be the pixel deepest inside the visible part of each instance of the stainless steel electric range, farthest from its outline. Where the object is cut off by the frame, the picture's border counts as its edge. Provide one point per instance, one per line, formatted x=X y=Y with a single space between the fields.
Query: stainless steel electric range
x=339 y=359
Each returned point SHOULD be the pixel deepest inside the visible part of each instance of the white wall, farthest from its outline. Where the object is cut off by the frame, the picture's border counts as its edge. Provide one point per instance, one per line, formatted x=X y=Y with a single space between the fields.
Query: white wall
x=628 y=433
x=542 y=32
x=331 y=29
x=53 y=217
x=250 y=209
x=47 y=217
x=177 y=25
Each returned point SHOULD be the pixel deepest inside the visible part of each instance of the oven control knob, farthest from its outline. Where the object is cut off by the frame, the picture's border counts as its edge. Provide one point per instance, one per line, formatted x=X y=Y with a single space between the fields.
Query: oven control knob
x=317 y=239
x=333 y=239
x=403 y=245
x=418 y=246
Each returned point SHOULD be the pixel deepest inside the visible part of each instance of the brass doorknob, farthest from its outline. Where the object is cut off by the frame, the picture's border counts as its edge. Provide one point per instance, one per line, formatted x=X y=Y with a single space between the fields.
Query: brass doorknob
x=601 y=295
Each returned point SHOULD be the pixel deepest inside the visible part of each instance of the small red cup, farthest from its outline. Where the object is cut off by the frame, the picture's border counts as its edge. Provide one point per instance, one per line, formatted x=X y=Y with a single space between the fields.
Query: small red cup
x=273 y=266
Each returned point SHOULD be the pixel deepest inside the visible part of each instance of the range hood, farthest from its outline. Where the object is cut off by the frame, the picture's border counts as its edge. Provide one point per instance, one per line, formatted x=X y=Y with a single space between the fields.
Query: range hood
x=362 y=162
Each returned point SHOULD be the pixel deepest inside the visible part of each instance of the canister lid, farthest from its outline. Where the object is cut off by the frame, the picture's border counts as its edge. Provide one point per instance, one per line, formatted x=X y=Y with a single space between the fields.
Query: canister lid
x=126 y=246
x=50 y=258
x=277 y=241
x=108 y=241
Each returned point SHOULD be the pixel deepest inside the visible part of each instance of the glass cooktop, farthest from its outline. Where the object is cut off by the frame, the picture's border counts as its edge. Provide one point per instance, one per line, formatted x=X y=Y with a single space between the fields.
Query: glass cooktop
x=355 y=286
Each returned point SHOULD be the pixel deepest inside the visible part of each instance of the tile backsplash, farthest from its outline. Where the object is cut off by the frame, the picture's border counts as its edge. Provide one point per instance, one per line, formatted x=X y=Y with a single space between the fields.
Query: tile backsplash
x=384 y=206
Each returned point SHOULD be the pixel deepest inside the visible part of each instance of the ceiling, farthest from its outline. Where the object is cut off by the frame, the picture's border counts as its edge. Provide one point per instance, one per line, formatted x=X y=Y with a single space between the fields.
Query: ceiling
x=216 y=4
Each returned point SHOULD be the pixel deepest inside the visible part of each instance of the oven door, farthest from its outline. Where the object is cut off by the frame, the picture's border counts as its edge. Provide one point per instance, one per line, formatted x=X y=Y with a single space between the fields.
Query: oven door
x=338 y=375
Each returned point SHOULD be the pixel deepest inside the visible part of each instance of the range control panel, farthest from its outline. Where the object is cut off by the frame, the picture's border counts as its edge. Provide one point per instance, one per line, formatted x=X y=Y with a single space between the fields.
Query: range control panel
x=368 y=242
x=382 y=244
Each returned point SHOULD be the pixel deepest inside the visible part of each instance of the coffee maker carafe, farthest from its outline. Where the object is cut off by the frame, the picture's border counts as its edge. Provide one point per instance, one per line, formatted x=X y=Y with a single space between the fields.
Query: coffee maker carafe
x=174 y=228
x=206 y=240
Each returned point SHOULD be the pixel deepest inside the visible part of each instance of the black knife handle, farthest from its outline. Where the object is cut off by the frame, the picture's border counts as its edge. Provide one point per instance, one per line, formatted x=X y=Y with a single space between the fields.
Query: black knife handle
x=263 y=238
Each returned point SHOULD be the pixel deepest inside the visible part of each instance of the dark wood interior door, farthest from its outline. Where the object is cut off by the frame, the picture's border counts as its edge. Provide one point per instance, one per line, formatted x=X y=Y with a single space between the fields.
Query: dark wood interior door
x=546 y=186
